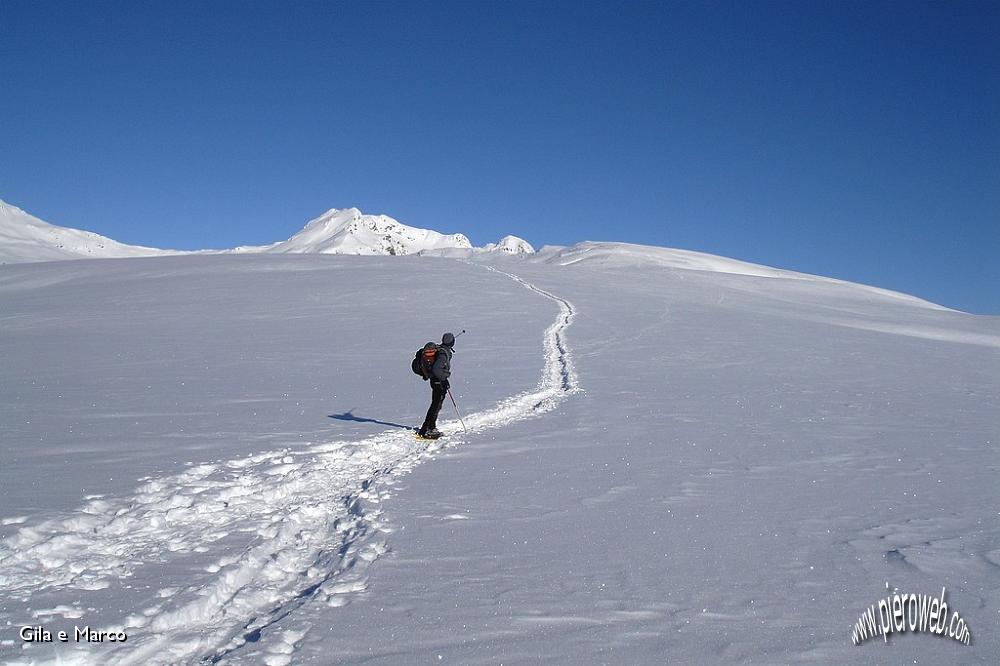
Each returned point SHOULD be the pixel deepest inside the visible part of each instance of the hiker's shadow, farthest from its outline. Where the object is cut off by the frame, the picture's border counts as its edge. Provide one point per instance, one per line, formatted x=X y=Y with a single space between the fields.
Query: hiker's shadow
x=348 y=416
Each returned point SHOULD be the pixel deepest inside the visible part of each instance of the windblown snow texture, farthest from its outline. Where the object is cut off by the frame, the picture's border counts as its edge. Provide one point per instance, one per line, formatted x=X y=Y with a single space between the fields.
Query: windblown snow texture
x=312 y=512
x=672 y=457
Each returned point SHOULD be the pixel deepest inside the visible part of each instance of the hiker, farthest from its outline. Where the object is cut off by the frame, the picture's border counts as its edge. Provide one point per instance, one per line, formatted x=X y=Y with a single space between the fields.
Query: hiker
x=439 y=373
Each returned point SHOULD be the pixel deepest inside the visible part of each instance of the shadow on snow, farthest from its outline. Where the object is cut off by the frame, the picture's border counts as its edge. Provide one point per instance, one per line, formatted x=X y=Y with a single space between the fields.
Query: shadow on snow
x=348 y=416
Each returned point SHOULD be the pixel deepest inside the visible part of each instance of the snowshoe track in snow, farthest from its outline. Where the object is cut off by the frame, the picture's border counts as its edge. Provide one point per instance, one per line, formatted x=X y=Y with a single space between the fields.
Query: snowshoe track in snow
x=311 y=519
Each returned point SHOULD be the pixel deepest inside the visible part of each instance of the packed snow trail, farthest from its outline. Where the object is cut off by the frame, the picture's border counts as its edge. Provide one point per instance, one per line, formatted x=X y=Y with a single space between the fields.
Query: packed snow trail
x=312 y=515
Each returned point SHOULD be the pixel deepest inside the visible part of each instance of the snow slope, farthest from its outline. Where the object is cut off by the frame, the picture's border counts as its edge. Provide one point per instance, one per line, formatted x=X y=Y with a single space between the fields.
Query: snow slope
x=24 y=237
x=664 y=463
x=629 y=255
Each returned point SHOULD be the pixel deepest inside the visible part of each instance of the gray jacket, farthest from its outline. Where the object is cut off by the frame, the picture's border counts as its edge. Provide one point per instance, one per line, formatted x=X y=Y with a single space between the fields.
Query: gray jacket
x=441 y=370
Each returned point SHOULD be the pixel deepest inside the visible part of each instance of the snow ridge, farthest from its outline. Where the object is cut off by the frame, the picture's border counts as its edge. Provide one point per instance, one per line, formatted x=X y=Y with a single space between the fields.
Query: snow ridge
x=314 y=518
x=24 y=237
x=351 y=232
x=510 y=245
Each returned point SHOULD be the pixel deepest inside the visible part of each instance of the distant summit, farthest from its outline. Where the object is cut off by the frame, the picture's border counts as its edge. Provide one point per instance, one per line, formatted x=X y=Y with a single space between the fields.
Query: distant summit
x=349 y=231
x=510 y=245
x=25 y=238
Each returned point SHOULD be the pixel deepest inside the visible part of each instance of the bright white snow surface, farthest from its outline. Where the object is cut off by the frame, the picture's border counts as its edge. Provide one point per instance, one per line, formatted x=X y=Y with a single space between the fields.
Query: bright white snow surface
x=350 y=231
x=24 y=237
x=510 y=245
x=664 y=464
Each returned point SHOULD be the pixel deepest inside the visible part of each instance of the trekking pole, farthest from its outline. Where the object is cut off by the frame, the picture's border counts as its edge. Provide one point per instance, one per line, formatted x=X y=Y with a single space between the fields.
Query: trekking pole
x=462 y=421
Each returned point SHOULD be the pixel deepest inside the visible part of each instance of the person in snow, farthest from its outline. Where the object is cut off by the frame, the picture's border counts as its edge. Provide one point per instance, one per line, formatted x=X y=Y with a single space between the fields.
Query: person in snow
x=440 y=372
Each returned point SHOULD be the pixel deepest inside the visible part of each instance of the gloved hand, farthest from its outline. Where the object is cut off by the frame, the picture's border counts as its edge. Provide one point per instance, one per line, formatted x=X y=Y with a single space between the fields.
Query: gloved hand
x=446 y=384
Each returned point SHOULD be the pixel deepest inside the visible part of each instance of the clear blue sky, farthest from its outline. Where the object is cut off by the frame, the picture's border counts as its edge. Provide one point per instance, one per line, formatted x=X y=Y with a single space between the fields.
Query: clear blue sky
x=856 y=140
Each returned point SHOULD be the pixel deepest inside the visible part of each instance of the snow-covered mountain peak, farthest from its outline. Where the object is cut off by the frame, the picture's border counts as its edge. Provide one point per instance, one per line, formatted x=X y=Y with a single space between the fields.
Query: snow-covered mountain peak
x=8 y=209
x=511 y=245
x=25 y=238
x=349 y=231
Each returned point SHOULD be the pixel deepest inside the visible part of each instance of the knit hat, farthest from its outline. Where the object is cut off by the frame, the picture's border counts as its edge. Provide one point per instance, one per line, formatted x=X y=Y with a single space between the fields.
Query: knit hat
x=448 y=340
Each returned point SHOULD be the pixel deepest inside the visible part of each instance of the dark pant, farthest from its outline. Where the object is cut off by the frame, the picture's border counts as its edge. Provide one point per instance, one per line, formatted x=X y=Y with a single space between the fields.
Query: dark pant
x=437 y=399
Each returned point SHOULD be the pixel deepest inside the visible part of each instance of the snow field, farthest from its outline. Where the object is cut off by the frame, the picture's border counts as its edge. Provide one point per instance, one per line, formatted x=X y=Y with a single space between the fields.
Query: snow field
x=755 y=457
x=313 y=518
x=730 y=487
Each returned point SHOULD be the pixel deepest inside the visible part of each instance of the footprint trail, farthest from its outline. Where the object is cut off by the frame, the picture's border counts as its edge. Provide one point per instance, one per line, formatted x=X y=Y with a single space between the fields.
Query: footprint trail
x=311 y=517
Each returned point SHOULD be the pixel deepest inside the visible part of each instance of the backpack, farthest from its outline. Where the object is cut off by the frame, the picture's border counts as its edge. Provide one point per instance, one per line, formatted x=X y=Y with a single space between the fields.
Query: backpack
x=424 y=359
